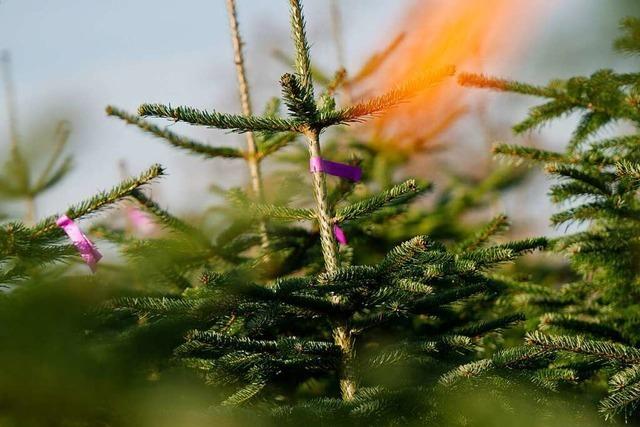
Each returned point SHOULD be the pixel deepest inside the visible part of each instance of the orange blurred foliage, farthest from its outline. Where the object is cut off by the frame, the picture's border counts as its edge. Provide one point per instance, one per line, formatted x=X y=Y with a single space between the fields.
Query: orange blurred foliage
x=473 y=35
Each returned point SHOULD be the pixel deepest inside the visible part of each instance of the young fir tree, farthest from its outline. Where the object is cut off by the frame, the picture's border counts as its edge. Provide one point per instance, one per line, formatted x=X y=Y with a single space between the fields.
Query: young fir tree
x=26 y=246
x=16 y=180
x=316 y=338
x=590 y=326
x=382 y=159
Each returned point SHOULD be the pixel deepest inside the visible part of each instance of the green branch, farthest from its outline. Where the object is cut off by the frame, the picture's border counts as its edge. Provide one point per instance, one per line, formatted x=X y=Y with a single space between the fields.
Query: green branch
x=497 y=225
x=232 y=122
x=396 y=194
x=503 y=85
x=101 y=200
x=604 y=350
x=174 y=139
x=265 y=210
x=209 y=341
x=394 y=97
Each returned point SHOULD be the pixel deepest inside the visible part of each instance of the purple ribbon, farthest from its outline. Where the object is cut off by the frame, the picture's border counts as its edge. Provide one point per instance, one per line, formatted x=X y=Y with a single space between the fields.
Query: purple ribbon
x=87 y=250
x=318 y=164
x=339 y=233
x=352 y=173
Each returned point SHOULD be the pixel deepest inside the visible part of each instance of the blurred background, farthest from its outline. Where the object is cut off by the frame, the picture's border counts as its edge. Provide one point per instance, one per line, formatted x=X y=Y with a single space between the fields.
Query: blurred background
x=71 y=58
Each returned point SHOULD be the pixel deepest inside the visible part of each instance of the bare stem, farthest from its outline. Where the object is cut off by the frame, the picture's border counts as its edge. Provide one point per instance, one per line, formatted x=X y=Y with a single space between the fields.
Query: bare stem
x=30 y=215
x=327 y=240
x=343 y=339
x=243 y=86
x=342 y=334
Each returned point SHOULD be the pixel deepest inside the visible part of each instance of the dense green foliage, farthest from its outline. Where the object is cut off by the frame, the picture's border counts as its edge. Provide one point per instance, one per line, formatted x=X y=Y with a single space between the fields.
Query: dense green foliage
x=340 y=331
x=251 y=312
x=595 y=317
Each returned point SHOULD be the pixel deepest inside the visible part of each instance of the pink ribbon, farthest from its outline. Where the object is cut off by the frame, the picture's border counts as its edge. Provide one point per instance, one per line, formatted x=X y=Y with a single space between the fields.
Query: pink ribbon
x=141 y=221
x=352 y=173
x=340 y=236
x=87 y=250
x=318 y=164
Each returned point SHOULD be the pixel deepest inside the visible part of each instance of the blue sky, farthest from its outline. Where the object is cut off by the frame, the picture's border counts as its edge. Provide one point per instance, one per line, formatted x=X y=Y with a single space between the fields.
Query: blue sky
x=73 y=57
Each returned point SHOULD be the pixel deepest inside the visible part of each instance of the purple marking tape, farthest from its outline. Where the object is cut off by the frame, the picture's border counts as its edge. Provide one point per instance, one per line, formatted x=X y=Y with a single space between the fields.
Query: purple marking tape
x=340 y=236
x=318 y=164
x=352 y=173
x=88 y=252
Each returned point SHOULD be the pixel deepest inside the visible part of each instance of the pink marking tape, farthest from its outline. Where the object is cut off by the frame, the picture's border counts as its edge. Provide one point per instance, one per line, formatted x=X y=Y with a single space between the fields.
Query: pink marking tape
x=141 y=221
x=87 y=250
x=340 y=236
x=352 y=173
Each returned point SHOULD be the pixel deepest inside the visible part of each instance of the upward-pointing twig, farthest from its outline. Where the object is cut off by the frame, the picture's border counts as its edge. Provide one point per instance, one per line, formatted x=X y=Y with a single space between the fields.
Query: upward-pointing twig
x=12 y=115
x=303 y=61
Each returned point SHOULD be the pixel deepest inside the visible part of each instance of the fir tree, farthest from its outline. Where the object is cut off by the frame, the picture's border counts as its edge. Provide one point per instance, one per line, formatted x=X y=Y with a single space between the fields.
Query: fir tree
x=271 y=333
x=27 y=246
x=588 y=326
x=16 y=180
